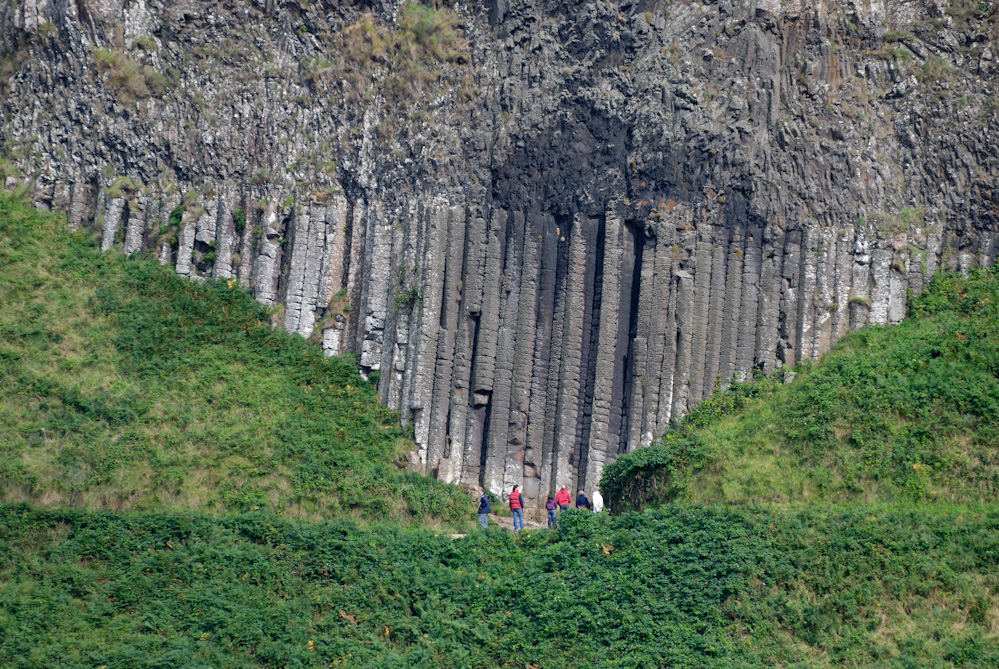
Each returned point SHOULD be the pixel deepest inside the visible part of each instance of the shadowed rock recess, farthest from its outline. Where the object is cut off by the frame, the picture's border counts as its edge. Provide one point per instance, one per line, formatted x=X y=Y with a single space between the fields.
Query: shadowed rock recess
x=544 y=228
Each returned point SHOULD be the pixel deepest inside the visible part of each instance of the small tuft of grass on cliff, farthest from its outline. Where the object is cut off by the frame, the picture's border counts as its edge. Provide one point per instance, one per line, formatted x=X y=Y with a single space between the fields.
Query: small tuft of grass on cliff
x=905 y=413
x=123 y=386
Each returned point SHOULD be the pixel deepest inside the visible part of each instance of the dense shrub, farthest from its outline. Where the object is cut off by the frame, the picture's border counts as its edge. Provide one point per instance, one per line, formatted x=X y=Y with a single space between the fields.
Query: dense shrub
x=680 y=586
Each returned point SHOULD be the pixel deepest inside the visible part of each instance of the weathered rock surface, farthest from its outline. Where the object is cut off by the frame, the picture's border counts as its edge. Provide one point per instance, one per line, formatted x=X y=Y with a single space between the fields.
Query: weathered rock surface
x=551 y=239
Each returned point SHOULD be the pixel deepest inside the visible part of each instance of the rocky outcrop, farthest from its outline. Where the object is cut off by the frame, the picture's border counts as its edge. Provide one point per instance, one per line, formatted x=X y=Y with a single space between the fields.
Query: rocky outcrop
x=544 y=229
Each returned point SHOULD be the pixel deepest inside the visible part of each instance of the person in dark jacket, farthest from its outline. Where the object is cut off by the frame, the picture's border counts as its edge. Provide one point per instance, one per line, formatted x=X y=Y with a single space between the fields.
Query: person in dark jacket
x=563 y=499
x=484 y=509
x=517 y=506
x=581 y=501
x=550 y=506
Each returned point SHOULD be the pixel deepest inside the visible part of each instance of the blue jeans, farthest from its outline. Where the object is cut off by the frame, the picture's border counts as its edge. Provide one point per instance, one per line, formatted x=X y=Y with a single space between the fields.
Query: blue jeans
x=552 y=520
x=484 y=520
x=518 y=514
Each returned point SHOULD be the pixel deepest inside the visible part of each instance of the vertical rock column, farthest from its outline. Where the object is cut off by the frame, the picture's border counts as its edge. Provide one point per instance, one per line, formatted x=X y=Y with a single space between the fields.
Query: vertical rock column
x=135 y=227
x=568 y=387
x=79 y=202
x=546 y=360
x=449 y=467
x=749 y=303
x=860 y=301
x=331 y=273
x=495 y=473
x=602 y=444
x=486 y=347
x=842 y=276
x=880 y=285
x=733 y=306
x=677 y=222
x=521 y=461
x=357 y=269
x=375 y=289
x=703 y=266
x=640 y=344
x=430 y=331
x=806 y=304
x=464 y=332
x=716 y=309
x=113 y=211
x=768 y=329
x=308 y=244
x=473 y=417
x=268 y=264
x=398 y=388
x=684 y=329
x=225 y=237
x=660 y=301
x=790 y=274
x=825 y=288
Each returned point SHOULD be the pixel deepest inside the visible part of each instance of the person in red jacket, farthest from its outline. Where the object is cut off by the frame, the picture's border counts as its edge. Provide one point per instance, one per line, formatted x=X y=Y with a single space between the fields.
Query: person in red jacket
x=517 y=507
x=563 y=499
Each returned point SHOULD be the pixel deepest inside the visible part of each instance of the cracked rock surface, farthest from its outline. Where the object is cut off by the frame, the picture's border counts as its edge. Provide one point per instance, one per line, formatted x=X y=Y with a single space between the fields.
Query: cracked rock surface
x=546 y=228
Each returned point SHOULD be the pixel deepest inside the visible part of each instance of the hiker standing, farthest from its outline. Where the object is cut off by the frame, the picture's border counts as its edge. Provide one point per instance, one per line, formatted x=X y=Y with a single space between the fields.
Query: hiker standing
x=581 y=501
x=484 y=509
x=517 y=507
x=550 y=506
x=563 y=499
x=598 y=501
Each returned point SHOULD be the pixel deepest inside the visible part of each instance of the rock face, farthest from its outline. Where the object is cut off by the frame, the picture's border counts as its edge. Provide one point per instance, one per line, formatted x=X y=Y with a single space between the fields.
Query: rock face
x=545 y=228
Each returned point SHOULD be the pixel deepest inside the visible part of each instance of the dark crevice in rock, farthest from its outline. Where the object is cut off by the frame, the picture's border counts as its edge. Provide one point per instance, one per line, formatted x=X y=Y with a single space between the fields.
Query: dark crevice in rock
x=634 y=268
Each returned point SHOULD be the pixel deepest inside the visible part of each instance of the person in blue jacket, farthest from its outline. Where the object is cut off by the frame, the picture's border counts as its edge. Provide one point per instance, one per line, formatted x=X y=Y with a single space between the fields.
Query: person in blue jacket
x=484 y=509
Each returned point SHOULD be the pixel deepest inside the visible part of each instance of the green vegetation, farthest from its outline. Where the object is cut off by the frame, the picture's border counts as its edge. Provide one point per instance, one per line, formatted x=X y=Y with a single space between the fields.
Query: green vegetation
x=126 y=79
x=123 y=386
x=145 y=43
x=122 y=187
x=401 y=62
x=681 y=586
x=239 y=219
x=903 y=413
x=407 y=298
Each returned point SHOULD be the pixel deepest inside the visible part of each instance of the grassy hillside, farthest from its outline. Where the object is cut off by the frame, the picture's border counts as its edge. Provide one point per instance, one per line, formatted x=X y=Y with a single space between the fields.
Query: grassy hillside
x=682 y=586
x=909 y=412
x=123 y=386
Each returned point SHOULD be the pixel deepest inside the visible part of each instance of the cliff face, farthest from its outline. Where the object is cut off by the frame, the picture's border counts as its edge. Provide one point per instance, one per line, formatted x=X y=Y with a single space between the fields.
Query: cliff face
x=548 y=227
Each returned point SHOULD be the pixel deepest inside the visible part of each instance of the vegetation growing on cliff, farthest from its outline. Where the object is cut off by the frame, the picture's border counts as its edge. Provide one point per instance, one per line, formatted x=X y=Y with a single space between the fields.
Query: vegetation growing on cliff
x=399 y=62
x=127 y=79
x=909 y=412
x=124 y=386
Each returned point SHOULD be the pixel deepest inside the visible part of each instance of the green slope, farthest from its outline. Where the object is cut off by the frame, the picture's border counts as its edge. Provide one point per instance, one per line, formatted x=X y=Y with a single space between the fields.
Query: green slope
x=681 y=586
x=904 y=413
x=123 y=386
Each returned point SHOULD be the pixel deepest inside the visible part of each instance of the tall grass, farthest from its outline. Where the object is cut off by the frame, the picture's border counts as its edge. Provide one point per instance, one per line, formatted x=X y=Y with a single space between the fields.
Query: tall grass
x=909 y=412
x=123 y=386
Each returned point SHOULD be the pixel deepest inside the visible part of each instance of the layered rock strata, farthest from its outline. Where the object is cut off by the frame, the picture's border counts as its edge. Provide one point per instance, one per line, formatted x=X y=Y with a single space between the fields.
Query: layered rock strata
x=549 y=237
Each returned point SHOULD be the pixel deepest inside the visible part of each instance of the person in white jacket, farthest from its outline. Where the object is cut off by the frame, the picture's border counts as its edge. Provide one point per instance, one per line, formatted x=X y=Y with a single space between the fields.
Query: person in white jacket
x=597 y=501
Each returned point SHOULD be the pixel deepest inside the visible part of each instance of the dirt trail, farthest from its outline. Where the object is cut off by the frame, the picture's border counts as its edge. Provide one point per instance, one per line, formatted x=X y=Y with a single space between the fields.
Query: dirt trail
x=507 y=522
